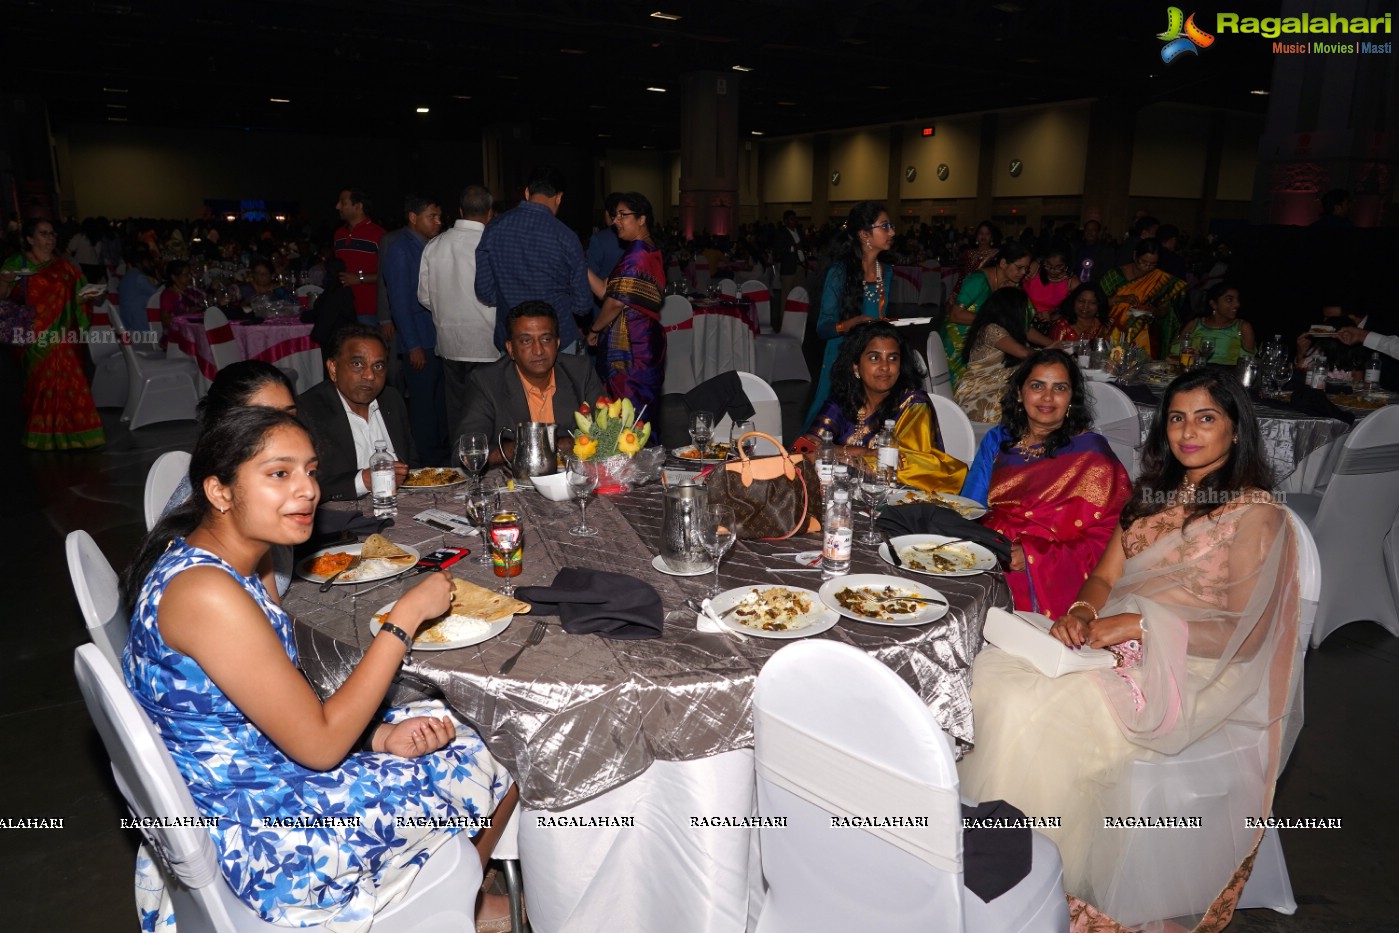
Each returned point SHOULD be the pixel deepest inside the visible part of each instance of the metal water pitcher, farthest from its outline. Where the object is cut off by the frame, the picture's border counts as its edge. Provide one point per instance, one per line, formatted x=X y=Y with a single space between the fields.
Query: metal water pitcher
x=682 y=549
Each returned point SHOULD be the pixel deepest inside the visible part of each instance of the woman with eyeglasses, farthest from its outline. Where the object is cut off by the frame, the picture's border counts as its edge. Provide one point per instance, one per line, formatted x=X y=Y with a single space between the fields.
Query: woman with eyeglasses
x=856 y=288
x=627 y=331
x=1048 y=286
x=59 y=411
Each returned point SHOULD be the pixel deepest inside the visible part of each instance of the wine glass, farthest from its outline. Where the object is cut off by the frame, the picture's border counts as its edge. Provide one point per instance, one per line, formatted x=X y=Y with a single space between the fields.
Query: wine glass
x=481 y=505
x=474 y=449
x=737 y=431
x=1206 y=351
x=717 y=536
x=701 y=429
x=507 y=536
x=582 y=480
x=1281 y=369
x=873 y=491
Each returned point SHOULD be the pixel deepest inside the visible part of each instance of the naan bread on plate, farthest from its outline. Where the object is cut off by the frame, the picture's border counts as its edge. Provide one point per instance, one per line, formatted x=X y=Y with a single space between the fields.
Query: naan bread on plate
x=477 y=602
x=377 y=547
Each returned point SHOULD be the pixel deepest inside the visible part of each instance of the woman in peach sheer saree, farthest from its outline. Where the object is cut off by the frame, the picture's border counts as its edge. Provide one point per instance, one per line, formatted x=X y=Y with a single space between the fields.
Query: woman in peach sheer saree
x=1197 y=596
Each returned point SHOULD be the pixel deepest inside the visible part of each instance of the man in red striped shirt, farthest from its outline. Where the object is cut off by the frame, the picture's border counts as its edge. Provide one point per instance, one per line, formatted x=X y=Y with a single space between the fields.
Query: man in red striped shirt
x=357 y=246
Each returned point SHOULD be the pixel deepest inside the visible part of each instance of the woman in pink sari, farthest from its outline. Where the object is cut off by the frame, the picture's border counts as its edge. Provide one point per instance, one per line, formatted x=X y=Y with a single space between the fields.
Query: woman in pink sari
x=1197 y=597
x=1053 y=487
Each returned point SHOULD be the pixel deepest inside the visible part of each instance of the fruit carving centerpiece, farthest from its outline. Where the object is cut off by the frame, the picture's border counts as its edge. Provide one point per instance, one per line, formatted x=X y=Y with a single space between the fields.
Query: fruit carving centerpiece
x=609 y=433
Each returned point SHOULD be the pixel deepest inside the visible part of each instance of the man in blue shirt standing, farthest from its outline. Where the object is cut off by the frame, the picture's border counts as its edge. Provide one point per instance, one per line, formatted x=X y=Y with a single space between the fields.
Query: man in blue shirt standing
x=528 y=254
x=136 y=289
x=417 y=337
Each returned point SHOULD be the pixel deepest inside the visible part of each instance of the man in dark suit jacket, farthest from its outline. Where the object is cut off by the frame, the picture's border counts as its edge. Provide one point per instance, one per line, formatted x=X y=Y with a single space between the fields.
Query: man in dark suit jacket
x=532 y=382
x=351 y=410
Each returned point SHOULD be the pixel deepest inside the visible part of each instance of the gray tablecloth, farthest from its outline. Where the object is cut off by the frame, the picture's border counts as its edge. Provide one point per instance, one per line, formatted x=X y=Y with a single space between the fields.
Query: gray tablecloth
x=580 y=715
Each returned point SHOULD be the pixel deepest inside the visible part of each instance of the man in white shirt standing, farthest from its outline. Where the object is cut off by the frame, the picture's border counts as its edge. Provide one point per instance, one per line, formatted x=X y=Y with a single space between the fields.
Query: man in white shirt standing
x=447 y=288
x=352 y=410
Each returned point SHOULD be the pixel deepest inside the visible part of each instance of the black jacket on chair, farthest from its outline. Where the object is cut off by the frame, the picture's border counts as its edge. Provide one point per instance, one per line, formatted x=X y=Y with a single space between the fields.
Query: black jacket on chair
x=321 y=409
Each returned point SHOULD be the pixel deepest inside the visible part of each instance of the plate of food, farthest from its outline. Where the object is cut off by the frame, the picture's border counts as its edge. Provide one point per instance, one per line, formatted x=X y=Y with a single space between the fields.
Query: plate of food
x=773 y=612
x=883 y=600
x=967 y=508
x=476 y=615
x=1321 y=330
x=433 y=478
x=95 y=290
x=922 y=554
x=716 y=453
x=379 y=557
x=1359 y=404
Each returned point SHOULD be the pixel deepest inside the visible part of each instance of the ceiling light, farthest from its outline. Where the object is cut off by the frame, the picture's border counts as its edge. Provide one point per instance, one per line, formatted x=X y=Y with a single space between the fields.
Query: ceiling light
x=573 y=51
x=756 y=132
x=604 y=135
x=1008 y=7
x=229 y=217
x=879 y=87
x=116 y=119
x=423 y=110
x=742 y=68
x=656 y=90
x=280 y=218
x=786 y=103
x=279 y=100
x=596 y=107
x=116 y=106
x=668 y=17
x=116 y=90
x=1260 y=93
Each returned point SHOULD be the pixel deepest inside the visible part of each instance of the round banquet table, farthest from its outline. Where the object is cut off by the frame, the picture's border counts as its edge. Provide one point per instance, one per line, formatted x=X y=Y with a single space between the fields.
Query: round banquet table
x=659 y=730
x=283 y=342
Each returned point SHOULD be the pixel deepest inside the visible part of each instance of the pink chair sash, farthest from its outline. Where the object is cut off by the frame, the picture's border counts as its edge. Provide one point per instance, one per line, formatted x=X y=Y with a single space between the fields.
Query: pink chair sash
x=221 y=334
x=797 y=307
x=687 y=324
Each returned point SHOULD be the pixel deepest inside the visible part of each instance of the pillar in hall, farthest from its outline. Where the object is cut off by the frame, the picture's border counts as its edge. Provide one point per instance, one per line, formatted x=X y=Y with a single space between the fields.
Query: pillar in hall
x=709 y=153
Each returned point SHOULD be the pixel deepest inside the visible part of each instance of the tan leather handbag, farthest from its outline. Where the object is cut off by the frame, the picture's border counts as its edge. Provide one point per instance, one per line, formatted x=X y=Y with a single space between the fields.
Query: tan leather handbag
x=772 y=497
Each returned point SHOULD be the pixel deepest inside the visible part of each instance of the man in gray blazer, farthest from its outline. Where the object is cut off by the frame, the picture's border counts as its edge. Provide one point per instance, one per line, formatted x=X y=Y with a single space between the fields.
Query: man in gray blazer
x=351 y=410
x=532 y=382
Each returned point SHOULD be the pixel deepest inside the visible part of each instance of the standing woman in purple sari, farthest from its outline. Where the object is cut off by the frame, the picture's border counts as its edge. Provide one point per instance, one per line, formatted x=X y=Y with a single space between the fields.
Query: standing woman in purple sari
x=627 y=332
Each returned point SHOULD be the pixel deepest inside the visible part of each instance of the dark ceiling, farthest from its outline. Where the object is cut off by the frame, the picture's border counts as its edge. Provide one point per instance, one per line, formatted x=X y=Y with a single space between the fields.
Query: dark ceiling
x=577 y=72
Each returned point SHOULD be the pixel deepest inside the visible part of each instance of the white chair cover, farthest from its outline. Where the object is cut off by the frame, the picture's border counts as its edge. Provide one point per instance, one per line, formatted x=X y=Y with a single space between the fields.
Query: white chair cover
x=109 y=366
x=795 y=308
x=767 y=414
x=98 y=590
x=722 y=344
x=757 y=293
x=728 y=287
x=222 y=344
x=779 y=358
x=1352 y=523
x=1219 y=779
x=678 y=322
x=1116 y=418
x=164 y=475
x=158 y=390
x=152 y=787
x=939 y=375
x=958 y=437
x=838 y=733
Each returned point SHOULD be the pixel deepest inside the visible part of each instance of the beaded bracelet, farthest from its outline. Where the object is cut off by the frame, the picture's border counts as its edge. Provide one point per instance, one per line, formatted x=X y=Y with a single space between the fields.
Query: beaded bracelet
x=1086 y=605
x=401 y=635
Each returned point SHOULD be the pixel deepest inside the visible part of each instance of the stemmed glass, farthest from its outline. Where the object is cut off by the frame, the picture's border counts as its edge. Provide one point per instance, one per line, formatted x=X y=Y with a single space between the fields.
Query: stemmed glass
x=701 y=429
x=474 y=449
x=1280 y=369
x=717 y=536
x=1206 y=351
x=506 y=536
x=582 y=480
x=737 y=431
x=481 y=505
x=873 y=491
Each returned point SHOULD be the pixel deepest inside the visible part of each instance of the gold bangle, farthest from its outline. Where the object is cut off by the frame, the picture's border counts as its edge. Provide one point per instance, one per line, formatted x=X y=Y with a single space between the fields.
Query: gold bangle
x=1085 y=605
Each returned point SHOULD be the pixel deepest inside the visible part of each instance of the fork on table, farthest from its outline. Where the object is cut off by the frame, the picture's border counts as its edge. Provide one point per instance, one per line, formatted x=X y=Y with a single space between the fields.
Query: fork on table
x=536 y=635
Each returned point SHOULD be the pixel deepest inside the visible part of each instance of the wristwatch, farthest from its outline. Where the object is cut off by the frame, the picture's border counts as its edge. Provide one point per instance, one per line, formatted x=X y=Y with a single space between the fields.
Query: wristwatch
x=361 y=275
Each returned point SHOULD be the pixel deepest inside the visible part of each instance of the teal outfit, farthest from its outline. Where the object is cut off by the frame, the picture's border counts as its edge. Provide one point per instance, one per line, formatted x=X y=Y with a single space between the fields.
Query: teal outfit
x=1228 y=342
x=829 y=317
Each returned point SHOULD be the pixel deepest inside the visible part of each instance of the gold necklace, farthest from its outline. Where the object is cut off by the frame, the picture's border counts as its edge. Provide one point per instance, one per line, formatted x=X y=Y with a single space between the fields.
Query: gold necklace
x=1187 y=490
x=1028 y=450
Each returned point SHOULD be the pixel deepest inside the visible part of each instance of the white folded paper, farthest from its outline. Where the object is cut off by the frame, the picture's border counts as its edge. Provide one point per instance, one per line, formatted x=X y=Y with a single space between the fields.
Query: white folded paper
x=443 y=520
x=1026 y=635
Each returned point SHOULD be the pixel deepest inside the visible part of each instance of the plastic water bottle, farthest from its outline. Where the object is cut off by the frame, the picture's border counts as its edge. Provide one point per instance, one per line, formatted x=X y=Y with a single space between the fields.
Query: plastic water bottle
x=839 y=530
x=382 y=482
x=888 y=451
x=1372 y=373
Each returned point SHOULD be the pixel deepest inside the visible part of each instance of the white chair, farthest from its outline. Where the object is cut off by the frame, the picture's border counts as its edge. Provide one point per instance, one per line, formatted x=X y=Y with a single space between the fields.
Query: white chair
x=795 y=309
x=1115 y=417
x=728 y=287
x=109 y=366
x=939 y=375
x=958 y=437
x=157 y=390
x=162 y=479
x=1352 y=522
x=98 y=590
x=723 y=343
x=153 y=312
x=1218 y=779
x=837 y=733
x=758 y=294
x=678 y=323
x=439 y=900
x=222 y=344
x=767 y=414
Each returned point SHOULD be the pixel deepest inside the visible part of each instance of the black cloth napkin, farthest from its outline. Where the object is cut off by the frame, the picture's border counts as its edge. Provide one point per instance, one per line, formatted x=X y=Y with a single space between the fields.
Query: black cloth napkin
x=722 y=395
x=1139 y=393
x=1310 y=401
x=924 y=518
x=596 y=602
x=338 y=522
x=994 y=859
